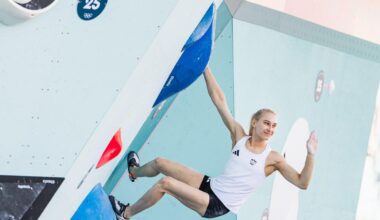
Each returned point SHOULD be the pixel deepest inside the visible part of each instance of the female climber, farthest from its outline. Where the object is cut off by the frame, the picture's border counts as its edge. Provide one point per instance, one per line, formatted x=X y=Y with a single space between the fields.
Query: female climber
x=250 y=162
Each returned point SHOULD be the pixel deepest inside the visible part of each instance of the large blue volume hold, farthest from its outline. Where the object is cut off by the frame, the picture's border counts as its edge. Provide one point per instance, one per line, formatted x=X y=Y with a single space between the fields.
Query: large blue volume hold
x=96 y=206
x=194 y=59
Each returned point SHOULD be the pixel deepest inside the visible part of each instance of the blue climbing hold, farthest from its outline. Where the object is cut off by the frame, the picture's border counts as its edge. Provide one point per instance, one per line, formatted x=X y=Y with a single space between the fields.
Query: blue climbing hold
x=194 y=59
x=201 y=28
x=96 y=206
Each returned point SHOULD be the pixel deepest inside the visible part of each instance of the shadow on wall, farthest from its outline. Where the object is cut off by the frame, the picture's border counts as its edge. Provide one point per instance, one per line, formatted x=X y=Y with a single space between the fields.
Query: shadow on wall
x=284 y=199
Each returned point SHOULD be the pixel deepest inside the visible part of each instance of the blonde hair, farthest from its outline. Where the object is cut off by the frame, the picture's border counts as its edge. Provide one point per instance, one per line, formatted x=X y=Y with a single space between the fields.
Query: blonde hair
x=257 y=116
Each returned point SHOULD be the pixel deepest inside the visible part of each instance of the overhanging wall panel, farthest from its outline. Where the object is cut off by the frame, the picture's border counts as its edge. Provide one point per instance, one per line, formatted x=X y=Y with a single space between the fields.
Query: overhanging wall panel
x=191 y=133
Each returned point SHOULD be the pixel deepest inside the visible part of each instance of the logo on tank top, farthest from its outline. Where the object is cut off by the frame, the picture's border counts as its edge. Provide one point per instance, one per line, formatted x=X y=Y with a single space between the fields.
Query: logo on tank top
x=236 y=152
x=253 y=162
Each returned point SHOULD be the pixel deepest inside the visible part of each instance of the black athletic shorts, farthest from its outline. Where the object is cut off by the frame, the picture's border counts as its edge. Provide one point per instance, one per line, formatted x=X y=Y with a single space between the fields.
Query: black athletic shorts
x=215 y=207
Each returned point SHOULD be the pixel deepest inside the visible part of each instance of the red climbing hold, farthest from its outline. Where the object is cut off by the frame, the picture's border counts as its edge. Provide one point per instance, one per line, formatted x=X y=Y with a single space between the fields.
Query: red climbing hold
x=113 y=149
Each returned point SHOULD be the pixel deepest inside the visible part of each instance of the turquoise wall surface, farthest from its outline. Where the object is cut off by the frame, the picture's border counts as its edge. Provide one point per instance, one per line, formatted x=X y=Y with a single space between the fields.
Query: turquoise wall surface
x=279 y=71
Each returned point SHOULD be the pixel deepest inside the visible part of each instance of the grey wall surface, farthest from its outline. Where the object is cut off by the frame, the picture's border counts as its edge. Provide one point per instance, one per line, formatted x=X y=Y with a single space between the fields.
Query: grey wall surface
x=59 y=75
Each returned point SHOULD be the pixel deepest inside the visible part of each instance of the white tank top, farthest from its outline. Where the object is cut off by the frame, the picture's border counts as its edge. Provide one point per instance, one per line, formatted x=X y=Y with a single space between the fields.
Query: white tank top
x=243 y=173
